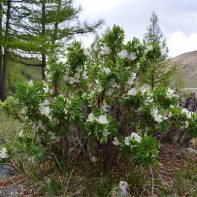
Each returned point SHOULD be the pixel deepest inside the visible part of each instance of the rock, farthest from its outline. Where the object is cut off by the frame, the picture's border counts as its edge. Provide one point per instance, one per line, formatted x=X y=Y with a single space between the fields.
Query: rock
x=10 y=191
x=6 y=171
x=191 y=151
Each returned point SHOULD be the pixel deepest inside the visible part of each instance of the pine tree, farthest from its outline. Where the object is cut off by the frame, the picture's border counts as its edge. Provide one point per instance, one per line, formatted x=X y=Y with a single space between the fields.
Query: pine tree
x=156 y=66
x=48 y=25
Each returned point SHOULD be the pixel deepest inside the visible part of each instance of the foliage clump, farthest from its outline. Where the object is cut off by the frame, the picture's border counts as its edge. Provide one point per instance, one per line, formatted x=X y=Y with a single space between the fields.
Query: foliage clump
x=93 y=104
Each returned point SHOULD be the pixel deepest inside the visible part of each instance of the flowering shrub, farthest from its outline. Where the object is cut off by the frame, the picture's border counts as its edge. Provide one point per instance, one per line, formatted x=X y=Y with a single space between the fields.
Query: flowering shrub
x=92 y=101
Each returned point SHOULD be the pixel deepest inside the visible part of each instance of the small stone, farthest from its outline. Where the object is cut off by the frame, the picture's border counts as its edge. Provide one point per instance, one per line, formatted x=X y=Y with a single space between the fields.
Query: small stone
x=10 y=191
x=191 y=151
x=6 y=171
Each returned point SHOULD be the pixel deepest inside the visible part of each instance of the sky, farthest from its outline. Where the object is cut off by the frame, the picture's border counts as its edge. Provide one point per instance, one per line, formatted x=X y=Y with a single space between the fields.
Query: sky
x=177 y=20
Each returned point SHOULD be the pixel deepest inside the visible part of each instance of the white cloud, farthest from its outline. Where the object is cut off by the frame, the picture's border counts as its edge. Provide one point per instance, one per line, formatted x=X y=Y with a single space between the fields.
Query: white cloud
x=179 y=43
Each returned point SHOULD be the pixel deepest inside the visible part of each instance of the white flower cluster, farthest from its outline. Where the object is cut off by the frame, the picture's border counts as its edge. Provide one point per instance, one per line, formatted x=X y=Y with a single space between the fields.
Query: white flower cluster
x=107 y=71
x=157 y=117
x=132 y=92
x=134 y=136
x=105 y=50
x=170 y=93
x=77 y=76
x=102 y=119
x=125 y=55
x=188 y=113
x=44 y=108
x=149 y=48
x=3 y=153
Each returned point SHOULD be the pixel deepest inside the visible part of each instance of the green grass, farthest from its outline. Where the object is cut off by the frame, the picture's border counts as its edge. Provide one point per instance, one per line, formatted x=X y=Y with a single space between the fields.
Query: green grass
x=9 y=127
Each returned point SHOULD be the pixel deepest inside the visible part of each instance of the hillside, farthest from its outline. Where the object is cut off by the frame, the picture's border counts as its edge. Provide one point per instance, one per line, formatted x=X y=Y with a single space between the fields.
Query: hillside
x=187 y=63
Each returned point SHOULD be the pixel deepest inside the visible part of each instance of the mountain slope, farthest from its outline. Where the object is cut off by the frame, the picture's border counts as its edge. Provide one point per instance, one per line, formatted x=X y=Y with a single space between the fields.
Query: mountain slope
x=187 y=63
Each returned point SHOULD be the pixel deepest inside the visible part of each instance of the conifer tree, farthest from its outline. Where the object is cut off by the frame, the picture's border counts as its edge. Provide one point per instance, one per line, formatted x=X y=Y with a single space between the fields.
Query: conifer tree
x=156 y=65
x=48 y=25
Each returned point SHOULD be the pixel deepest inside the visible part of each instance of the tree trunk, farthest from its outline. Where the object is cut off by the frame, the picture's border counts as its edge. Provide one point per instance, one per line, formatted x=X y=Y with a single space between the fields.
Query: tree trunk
x=1 y=53
x=43 y=37
x=43 y=66
x=152 y=82
x=5 y=58
x=55 y=30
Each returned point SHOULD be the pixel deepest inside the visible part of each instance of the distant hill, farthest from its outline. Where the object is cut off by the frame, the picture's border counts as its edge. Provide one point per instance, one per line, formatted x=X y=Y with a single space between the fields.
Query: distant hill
x=187 y=63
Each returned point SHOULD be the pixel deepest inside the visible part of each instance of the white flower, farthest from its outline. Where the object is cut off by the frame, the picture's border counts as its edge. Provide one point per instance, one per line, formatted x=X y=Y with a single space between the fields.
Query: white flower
x=169 y=93
x=79 y=70
x=132 y=92
x=24 y=110
x=93 y=159
x=46 y=90
x=3 y=153
x=65 y=111
x=143 y=90
x=124 y=54
x=170 y=114
x=149 y=48
x=186 y=124
x=105 y=50
x=72 y=80
x=184 y=110
x=158 y=118
x=127 y=141
x=44 y=110
x=84 y=75
x=100 y=89
x=132 y=56
x=77 y=76
x=107 y=71
x=116 y=141
x=105 y=108
x=148 y=101
x=124 y=187
x=90 y=117
x=106 y=133
x=46 y=102
x=102 y=119
x=154 y=112
x=21 y=133
x=131 y=80
x=188 y=113
x=48 y=67
x=31 y=83
x=109 y=92
x=136 y=137
x=66 y=78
